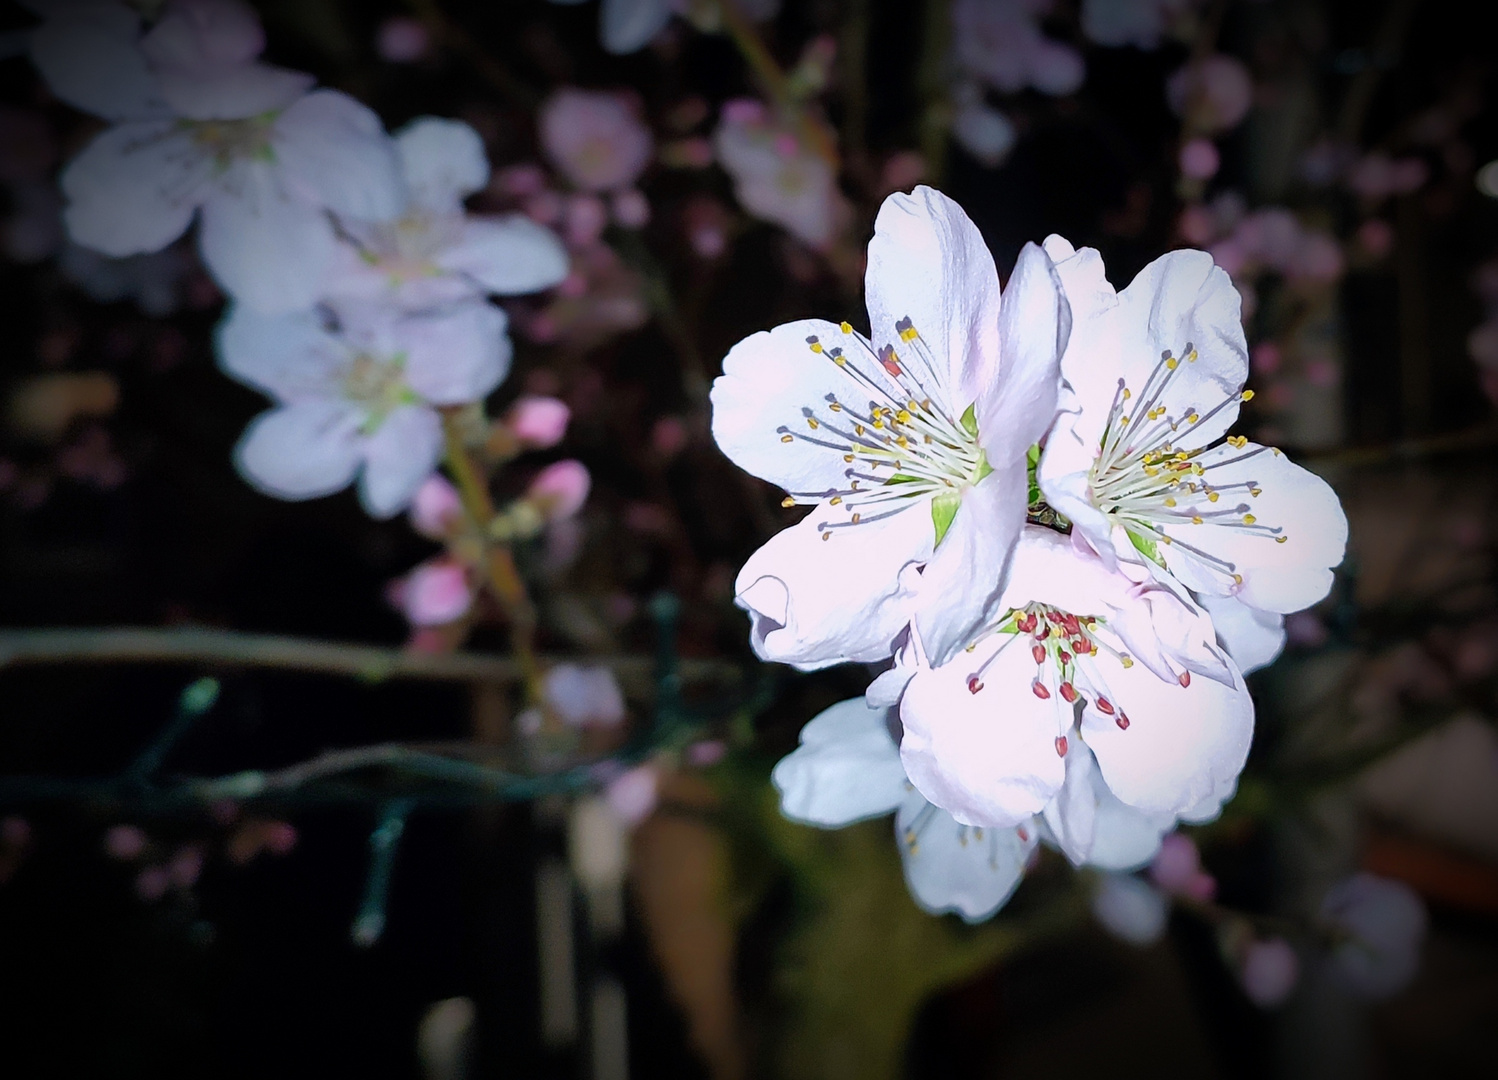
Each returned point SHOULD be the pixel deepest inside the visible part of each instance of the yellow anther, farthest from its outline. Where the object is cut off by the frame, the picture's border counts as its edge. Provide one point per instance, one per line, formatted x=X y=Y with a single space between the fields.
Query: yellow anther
x=787 y=438
x=1181 y=455
x=1211 y=496
x=1195 y=520
x=846 y=328
x=1191 y=357
x=1240 y=441
x=826 y=536
x=926 y=404
x=971 y=647
x=1169 y=501
x=1172 y=363
x=902 y=442
x=842 y=361
x=816 y=346
x=1128 y=393
x=878 y=424
x=787 y=502
x=1247 y=395
x=1280 y=539
x=1237 y=579
x=928 y=438
x=858 y=429
x=811 y=422
x=848 y=458
x=1193 y=418
x=903 y=416
x=1123 y=421
x=835 y=407
x=835 y=500
x=1249 y=519
x=1128 y=662
x=909 y=334
x=857 y=518
x=912 y=406
x=1256 y=492
x=1151 y=470
x=1166 y=540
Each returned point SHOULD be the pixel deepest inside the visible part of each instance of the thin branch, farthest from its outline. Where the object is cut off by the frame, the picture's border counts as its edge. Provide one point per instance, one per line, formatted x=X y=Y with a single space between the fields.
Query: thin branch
x=373 y=663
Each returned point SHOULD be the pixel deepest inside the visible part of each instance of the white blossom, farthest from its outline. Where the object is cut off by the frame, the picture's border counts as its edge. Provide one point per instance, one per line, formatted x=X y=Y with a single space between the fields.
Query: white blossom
x=1141 y=463
x=909 y=444
x=1082 y=661
x=205 y=129
x=356 y=392
x=434 y=252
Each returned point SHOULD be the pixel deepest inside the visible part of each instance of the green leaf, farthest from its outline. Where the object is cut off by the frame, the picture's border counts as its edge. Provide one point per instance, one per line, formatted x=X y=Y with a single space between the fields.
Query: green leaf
x=1146 y=546
x=970 y=420
x=1032 y=456
x=982 y=469
x=943 y=510
x=901 y=478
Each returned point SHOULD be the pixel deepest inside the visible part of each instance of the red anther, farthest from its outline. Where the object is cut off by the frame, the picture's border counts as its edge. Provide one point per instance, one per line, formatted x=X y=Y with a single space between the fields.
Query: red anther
x=1043 y=633
x=1037 y=651
x=1061 y=746
x=887 y=358
x=1064 y=656
x=1081 y=647
x=1122 y=721
x=974 y=684
x=1185 y=678
x=1069 y=692
x=1024 y=837
x=1040 y=691
x=1069 y=621
x=1105 y=706
x=1026 y=623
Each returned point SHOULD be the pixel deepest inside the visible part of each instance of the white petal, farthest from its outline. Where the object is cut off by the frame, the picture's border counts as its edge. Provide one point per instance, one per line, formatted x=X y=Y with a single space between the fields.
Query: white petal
x=816 y=602
x=443 y=162
x=457 y=354
x=301 y=451
x=1182 y=743
x=1281 y=577
x=962 y=584
x=626 y=26
x=90 y=59
x=768 y=379
x=846 y=769
x=927 y=262
x=232 y=93
x=1034 y=323
x=508 y=256
x=1180 y=299
x=1253 y=638
x=289 y=357
x=987 y=758
x=265 y=246
x=134 y=188
x=966 y=870
x=1091 y=826
x=398 y=458
x=338 y=153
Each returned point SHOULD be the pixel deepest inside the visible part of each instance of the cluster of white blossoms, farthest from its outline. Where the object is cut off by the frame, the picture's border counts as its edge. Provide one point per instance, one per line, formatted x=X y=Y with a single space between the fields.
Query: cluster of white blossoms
x=358 y=283
x=1030 y=509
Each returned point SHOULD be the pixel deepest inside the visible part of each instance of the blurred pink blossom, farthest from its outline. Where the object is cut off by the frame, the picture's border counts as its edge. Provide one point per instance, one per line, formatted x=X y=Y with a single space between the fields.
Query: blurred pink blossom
x=1199 y=159
x=1323 y=373
x=1000 y=42
x=402 y=40
x=902 y=171
x=1265 y=358
x=1378 y=176
x=776 y=177
x=560 y=489
x=584 y=696
x=1382 y=926
x=1177 y=869
x=1376 y=237
x=1130 y=909
x=1214 y=94
x=185 y=866
x=1140 y=23
x=1196 y=225
x=706 y=753
x=632 y=795
x=517 y=181
x=436 y=507
x=630 y=208
x=433 y=594
x=668 y=437
x=124 y=842
x=1318 y=258
x=585 y=219
x=1269 y=972
x=538 y=422
x=595 y=138
x=152 y=883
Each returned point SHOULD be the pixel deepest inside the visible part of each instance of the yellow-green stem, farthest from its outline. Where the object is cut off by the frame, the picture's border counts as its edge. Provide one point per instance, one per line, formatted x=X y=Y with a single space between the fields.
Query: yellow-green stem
x=502 y=574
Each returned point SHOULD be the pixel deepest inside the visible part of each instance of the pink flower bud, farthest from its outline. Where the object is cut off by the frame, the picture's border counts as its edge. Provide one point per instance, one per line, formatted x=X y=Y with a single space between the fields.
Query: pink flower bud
x=630 y=208
x=560 y=490
x=433 y=594
x=280 y=837
x=706 y=753
x=538 y=422
x=1265 y=358
x=436 y=508
x=668 y=437
x=585 y=221
x=632 y=794
x=1217 y=92
x=402 y=40
x=1176 y=863
x=1199 y=159
x=124 y=842
x=1270 y=971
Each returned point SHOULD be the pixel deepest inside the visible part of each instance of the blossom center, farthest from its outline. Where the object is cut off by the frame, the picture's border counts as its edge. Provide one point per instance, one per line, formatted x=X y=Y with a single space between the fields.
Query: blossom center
x=228 y=141
x=1158 y=492
x=894 y=430
x=377 y=386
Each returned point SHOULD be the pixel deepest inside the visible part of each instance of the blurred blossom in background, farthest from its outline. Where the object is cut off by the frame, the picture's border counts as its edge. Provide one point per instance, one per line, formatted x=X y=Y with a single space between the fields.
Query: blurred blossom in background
x=725 y=538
